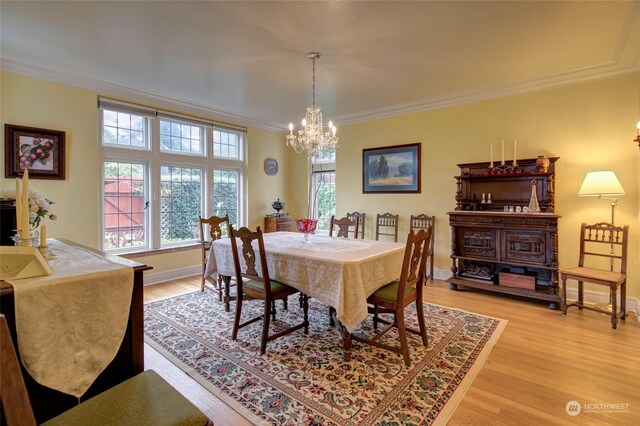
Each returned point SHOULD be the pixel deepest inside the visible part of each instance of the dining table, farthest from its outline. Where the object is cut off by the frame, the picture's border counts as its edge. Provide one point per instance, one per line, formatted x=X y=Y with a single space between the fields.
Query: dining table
x=338 y=272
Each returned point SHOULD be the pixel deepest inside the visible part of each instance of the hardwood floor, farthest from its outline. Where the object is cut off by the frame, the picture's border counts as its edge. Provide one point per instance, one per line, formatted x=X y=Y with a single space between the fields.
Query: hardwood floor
x=542 y=361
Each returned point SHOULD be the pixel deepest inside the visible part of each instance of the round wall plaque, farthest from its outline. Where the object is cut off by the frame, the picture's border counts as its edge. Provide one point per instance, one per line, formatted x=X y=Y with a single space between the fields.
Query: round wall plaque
x=271 y=166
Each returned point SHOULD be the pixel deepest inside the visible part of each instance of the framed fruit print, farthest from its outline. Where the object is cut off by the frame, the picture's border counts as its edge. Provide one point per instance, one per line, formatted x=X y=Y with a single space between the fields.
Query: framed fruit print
x=39 y=150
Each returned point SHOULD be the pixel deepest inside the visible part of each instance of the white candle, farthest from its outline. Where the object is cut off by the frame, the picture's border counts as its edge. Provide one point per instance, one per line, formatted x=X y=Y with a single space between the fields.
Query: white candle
x=43 y=236
x=502 y=155
x=515 y=146
x=26 y=228
x=18 y=205
x=491 y=151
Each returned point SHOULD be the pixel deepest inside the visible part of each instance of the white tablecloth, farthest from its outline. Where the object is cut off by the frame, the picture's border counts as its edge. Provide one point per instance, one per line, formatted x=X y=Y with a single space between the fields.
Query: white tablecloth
x=70 y=324
x=338 y=272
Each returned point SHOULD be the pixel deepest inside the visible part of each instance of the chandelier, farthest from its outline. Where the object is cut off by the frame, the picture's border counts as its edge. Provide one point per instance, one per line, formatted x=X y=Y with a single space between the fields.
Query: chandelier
x=312 y=137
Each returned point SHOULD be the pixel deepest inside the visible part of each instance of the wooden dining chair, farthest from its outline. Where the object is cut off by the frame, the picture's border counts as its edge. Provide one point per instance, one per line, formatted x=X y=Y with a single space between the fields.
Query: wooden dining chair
x=422 y=221
x=396 y=296
x=211 y=229
x=389 y=224
x=145 y=399
x=255 y=283
x=343 y=224
x=360 y=218
x=602 y=240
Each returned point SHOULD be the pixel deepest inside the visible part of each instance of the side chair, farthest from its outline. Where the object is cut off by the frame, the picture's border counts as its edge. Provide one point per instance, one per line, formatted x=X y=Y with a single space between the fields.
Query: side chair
x=252 y=284
x=386 y=221
x=344 y=224
x=212 y=229
x=422 y=221
x=602 y=240
x=396 y=296
x=360 y=218
x=144 y=399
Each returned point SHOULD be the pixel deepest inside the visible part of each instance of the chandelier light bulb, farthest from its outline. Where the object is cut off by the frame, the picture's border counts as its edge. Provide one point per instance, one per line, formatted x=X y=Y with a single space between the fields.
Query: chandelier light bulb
x=330 y=124
x=290 y=127
x=333 y=130
x=304 y=122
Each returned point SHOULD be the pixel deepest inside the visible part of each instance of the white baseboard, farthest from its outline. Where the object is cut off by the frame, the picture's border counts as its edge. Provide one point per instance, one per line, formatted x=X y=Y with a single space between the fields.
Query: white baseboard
x=151 y=278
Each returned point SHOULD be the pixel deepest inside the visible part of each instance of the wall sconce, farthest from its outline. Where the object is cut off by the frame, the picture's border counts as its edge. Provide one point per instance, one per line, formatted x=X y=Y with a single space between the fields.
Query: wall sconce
x=637 y=139
x=605 y=186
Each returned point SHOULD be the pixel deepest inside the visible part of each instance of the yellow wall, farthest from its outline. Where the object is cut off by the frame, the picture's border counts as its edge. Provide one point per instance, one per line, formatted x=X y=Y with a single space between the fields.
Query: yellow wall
x=38 y=103
x=590 y=126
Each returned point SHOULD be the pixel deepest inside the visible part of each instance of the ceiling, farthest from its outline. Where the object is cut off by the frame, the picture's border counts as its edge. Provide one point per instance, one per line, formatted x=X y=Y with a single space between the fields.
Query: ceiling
x=245 y=62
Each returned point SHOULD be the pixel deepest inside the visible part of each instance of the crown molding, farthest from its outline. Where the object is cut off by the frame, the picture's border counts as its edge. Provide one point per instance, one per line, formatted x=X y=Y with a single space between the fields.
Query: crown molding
x=131 y=93
x=461 y=98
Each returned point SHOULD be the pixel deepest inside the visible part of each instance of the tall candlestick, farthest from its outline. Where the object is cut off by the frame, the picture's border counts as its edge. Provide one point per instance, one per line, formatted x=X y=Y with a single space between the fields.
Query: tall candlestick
x=491 y=151
x=515 y=146
x=502 y=155
x=18 y=206
x=26 y=228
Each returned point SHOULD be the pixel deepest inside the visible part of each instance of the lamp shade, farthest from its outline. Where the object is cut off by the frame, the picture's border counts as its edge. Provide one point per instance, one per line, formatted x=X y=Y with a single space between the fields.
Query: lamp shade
x=601 y=184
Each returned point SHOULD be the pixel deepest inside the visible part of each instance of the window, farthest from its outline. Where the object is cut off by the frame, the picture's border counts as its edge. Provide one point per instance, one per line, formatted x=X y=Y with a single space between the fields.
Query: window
x=180 y=203
x=124 y=204
x=161 y=171
x=323 y=187
x=179 y=137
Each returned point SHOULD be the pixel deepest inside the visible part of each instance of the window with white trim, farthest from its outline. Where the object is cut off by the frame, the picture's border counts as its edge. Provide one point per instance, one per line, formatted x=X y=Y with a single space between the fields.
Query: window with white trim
x=323 y=187
x=161 y=171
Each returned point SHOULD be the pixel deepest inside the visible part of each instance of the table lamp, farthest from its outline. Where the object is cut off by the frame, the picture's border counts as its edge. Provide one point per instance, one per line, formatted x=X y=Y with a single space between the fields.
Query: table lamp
x=604 y=185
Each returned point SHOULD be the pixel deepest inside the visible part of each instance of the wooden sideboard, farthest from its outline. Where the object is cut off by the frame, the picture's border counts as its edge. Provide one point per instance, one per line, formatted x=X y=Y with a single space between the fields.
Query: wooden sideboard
x=277 y=223
x=129 y=361
x=506 y=252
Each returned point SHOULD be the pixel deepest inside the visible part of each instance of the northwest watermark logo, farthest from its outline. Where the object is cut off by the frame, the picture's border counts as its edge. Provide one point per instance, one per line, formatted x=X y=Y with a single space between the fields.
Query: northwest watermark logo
x=574 y=408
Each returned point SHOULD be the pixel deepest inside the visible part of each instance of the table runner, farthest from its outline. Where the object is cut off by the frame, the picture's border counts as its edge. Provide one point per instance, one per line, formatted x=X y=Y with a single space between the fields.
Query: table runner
x=70 y=324
x=339 y=272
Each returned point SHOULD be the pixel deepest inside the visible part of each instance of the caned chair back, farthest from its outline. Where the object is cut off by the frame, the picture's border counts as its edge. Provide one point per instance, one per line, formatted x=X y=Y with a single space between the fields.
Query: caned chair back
x=250 y=268
x=343 y=224
x=604 y=240
x=387 y=225
x=360 y=218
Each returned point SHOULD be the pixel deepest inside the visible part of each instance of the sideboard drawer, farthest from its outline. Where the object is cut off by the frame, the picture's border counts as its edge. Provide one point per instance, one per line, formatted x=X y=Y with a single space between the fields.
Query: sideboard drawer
x=479 y=242
x=524 y=246
x=276 y=224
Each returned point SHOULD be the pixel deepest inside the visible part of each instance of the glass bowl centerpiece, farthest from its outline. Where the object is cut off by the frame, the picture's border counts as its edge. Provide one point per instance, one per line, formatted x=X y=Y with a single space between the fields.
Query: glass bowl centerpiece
x=307 y=226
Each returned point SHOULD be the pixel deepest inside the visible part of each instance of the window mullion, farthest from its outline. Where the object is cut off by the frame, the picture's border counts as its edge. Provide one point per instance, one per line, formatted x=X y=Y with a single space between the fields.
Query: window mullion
x=154 y=186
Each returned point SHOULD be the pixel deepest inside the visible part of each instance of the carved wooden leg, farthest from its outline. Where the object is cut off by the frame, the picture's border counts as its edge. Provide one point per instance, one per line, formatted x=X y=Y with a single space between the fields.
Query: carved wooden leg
x=265 y=326
x=614 y=307
x=227 y=289
x=344 y=333
x=305 y=310
x=421 y=323
x=580 y=294
x=285 y=303
x=375 y=318
x=402 y=332
x=623 y=300
x=563 y=301
x=219 y=286
x=332 y=313
x=236 y=320
x=273 y=310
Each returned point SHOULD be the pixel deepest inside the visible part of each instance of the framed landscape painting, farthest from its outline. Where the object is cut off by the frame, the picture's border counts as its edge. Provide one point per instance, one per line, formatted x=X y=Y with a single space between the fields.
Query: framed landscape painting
x=391 y=169
x=39 y=150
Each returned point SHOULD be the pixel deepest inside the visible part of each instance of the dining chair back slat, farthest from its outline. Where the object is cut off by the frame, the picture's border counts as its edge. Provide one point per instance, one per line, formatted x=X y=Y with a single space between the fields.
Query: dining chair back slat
x=387 y=225
x=423 y=221
x=344 y=225
x=360 y=218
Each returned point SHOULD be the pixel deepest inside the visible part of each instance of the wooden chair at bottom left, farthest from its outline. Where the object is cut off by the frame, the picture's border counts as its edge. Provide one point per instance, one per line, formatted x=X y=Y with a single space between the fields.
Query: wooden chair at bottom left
x=146 y=399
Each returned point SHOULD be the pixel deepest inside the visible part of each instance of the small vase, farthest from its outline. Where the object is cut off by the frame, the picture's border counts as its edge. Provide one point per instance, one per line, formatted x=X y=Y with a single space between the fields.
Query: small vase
x=542 y=164
x=306 y=226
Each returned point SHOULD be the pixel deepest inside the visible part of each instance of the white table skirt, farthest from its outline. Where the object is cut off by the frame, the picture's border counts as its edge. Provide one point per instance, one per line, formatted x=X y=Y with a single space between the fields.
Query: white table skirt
x=70 y=324
x=338 y=272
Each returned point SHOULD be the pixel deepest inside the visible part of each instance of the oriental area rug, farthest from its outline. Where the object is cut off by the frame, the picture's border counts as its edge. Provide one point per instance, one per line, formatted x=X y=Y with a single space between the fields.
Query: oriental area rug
x=303 y=379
